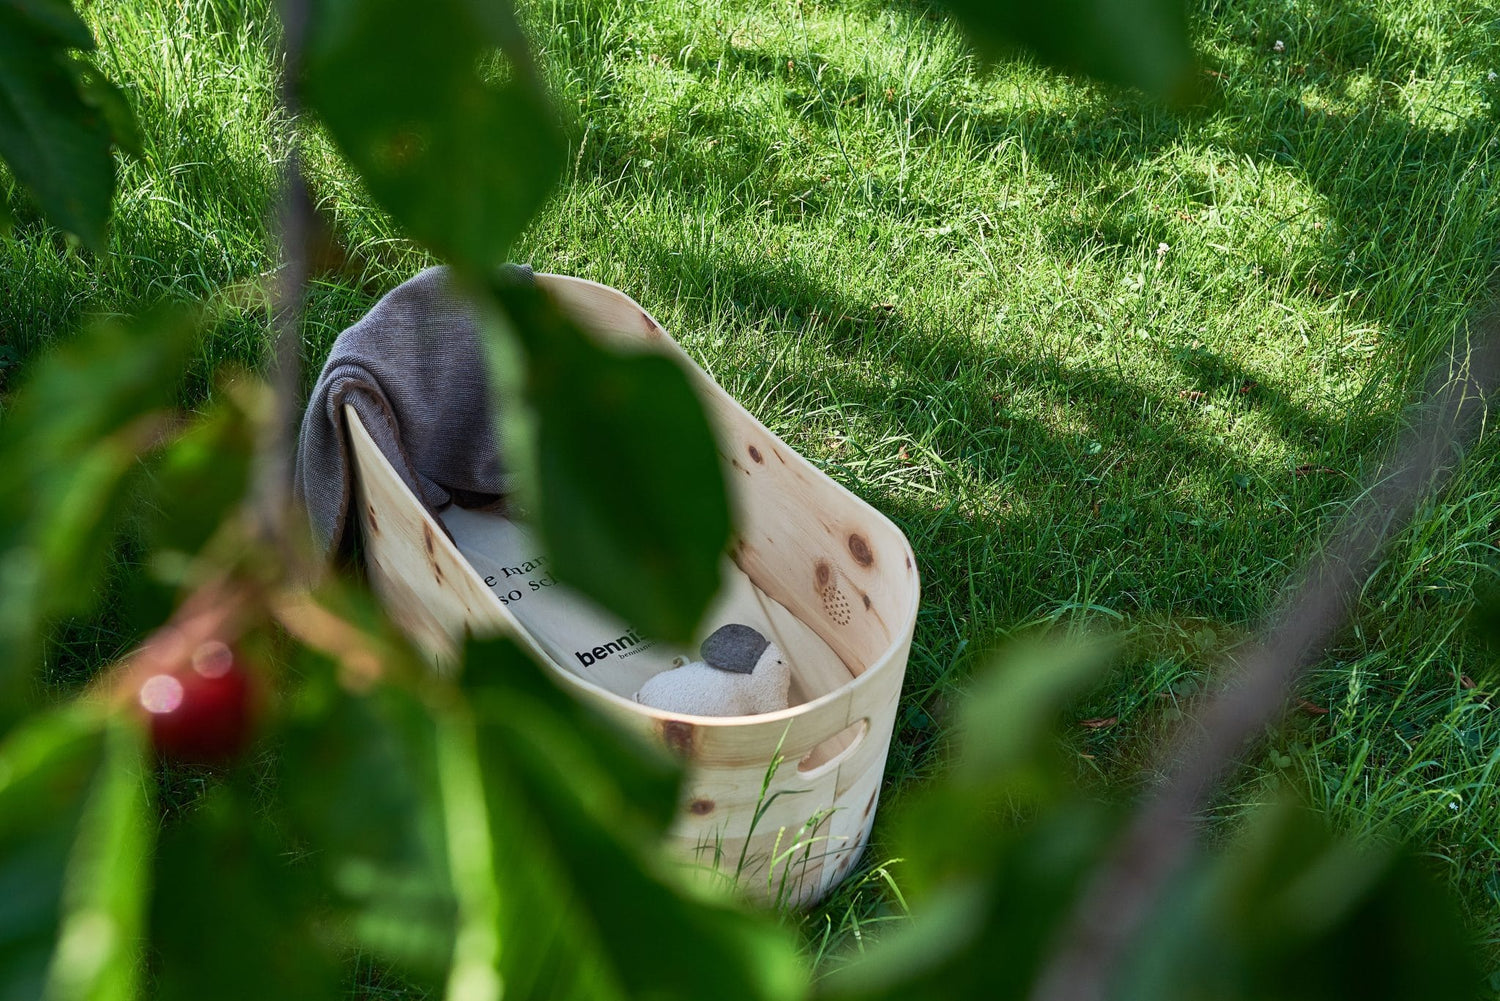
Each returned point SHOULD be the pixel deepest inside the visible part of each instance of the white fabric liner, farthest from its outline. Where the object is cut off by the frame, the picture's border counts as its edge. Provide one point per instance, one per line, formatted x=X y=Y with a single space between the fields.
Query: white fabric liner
x=586 y=641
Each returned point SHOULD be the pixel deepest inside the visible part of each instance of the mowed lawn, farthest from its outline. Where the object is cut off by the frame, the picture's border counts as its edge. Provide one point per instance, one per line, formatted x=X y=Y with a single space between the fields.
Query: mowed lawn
x=1108 y=365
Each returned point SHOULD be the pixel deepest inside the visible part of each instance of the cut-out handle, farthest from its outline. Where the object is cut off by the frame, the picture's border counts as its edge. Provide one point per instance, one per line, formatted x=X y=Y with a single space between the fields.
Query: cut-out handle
x=830 y=753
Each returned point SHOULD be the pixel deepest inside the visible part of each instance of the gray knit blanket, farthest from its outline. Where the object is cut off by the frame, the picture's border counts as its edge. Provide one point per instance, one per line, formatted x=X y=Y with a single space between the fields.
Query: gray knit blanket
x=414 y=371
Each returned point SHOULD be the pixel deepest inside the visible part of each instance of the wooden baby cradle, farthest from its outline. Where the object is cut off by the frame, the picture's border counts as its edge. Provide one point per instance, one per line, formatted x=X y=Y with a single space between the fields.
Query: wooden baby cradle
x=818 y=570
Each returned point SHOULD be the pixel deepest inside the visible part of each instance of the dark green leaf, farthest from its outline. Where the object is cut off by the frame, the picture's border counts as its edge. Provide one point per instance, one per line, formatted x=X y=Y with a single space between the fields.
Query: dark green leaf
x=54 y=20
x=55 y=141
x=66 y=449
x=359 y=781
x=575 y=809
x=460 y=151
x=1137 y=43
x=630 y=496
x=1291 y=912
x=103 y=96
x=230 y=919
x=198 y=480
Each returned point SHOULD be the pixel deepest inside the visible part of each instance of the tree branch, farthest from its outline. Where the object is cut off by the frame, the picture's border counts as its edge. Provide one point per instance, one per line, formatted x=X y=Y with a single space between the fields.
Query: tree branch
x=271 y=495
x=1126 y=888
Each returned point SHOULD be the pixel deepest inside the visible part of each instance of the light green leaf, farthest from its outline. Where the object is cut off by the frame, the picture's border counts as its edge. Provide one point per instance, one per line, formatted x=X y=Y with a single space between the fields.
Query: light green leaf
x=574 y=809
x=630 y=494
x=48 y=768
x=104 y=898
x=462 y=152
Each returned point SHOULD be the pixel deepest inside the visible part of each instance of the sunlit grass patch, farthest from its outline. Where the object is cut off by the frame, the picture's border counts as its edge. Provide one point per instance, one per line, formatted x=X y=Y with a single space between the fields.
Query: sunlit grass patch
x=1106 y=363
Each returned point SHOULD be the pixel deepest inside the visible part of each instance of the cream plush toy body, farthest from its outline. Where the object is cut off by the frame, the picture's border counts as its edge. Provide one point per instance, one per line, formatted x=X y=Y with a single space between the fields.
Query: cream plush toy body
x=741 y=673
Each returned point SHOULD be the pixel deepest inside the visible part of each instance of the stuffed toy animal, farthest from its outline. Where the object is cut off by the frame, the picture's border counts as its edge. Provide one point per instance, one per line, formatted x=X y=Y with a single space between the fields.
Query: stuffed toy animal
x=741 y=673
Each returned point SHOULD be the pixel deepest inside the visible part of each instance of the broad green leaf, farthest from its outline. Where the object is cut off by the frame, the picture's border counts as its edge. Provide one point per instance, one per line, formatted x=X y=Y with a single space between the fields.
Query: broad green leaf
x=67 y=447
x=1137 y=43
x=1291 y=912
x=59 y=116
x=995 y=851
x=232 y=913
x=359 y=783
x=197 y=480
x=1285 y=913
x=461 y=152
x=102 y=95
x=574 y=810
x=1007 y=758
x=54 y=20
x=1009 y=718
x=104 y=897
x=986 y=928
x=48 y=768
x=629 y=490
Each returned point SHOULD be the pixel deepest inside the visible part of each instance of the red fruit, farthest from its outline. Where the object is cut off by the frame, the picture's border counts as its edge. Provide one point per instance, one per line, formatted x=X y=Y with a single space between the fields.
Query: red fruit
x=203 y=711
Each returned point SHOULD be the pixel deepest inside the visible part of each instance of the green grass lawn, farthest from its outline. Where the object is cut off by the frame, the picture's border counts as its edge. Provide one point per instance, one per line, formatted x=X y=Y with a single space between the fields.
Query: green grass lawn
x=1106 y=364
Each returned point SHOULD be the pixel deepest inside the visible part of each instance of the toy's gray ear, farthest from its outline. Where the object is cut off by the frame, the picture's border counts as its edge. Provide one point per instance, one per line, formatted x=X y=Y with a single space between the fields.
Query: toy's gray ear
x=734 y=647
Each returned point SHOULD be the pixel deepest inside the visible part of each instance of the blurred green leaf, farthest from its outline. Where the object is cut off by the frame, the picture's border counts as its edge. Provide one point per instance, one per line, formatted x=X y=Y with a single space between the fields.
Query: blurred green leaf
x=231 y=917
x=1009 y=720
x=1136 y=43
x=630 y=497
x=104 y=897
x=197 y=480
x=54 y=20
x=575 y=809
x=67 y=447
x=73 y=844
x=59 y=116
x=1291 y=911
x=1008 y=759
x=986 y=928
x=998 y=848
x=461 y=151
x=359 y=781
x=103 y=96
x=47 y=768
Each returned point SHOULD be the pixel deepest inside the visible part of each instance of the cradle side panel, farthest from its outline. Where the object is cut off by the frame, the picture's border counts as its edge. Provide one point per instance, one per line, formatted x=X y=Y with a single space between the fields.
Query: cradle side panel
x=427 y=587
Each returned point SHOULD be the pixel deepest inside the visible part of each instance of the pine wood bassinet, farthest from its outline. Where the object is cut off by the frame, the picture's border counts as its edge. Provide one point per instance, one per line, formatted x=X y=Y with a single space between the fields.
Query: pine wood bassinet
x=833 y=579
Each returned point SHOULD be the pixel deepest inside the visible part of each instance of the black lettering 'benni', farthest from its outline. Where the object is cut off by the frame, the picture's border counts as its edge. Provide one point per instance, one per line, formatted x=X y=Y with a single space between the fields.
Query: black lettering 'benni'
x=625 y=642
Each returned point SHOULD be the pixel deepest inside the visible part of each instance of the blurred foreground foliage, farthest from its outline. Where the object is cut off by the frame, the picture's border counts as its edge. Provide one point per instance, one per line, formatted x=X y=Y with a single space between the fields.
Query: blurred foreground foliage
x=484 y=834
